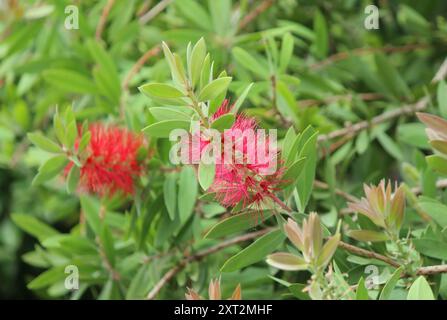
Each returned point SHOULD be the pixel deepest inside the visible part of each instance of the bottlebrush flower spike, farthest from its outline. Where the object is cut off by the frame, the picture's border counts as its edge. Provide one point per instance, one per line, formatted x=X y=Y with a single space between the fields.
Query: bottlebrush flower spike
x=109 y=162
x=247 y=179
x=214 y=292
x=382 y=207
x=309 y=241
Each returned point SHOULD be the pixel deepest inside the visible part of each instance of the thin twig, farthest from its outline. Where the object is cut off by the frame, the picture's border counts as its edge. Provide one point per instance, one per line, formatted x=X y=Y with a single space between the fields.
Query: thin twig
x=429 y=270
x=364 y=51
x=103 y=19
x=200 y=255
x=264 y=5
x=368 y=254
x=112 y=271
x=323 y=185
x=368 y=96
x=432 y=270
x=144 y=8
x=352 y=130
x=151 y=14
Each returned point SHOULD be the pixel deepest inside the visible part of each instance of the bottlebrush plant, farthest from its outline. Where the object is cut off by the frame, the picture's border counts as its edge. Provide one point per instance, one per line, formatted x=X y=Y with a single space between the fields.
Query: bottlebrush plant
x=222 y=149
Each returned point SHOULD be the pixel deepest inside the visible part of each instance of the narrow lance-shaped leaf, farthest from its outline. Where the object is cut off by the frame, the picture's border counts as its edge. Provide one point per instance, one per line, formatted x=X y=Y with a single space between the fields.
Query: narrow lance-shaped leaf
x=42 y=142
x=214 y=88
x=286 y=261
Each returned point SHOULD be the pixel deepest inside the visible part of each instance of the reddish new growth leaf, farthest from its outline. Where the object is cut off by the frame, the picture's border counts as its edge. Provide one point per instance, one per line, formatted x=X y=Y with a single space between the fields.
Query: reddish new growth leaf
x=110 y=161
x=214 y=292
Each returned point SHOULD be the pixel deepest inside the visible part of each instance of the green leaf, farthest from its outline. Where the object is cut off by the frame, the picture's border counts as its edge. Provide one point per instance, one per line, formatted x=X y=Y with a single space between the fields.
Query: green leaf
x=170 y=194
x=85 y=140
x=391 y=77
x=431 y=248
x=73 y=179
x=328 y=250
x=223 y=122
x=162 y=129
x=434 y=209
x=33 y=226
x=90 y=208
x=286 y=261
x=361 y=292
x=105 y=73
x=176 y=71
x=442 y=98
x=249 y=62
x=195 y=13
x=148 y=216
x=287 y=144
x=254 y=252
x=367 y=235
x=71 y=134
x=391 y=283
x=107 y=244
x=297 y=289
x=439 y=145
x=206 y=174
x=47 y=278
x=294 y=171
x=437 y=163
x=413 y=134
x=237 y=223
x=307 y=177
x=161 y=90
x=70 y=81
x=420 y=290
x=50 y=169
x=221 y=16
x=42 y=142
x=187 y=193
x=140 y=284
x=362 y=142
x=390 y=146
x=103 y=59
x=214 y=88
x=205 y=75
x=167 y=113
x=286 y=52
x=197 y=57
x=321 y=42
x=241 y=99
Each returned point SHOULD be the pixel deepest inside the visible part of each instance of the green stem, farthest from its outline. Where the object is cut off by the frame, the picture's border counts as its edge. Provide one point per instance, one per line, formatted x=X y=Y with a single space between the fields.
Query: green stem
x=196 y=107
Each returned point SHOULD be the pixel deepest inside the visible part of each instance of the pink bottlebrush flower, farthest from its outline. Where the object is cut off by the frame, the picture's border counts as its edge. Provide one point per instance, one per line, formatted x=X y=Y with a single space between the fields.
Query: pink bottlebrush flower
x=223 y=109
x=110 y=162
x=246 y=177
x=247 y=168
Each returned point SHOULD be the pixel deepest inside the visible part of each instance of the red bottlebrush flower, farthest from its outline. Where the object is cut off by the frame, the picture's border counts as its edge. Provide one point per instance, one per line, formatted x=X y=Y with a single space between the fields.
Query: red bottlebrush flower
x=238 y=183
x=247 y=170
x=224 y=108
x=252 y=177
x=110 y=161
